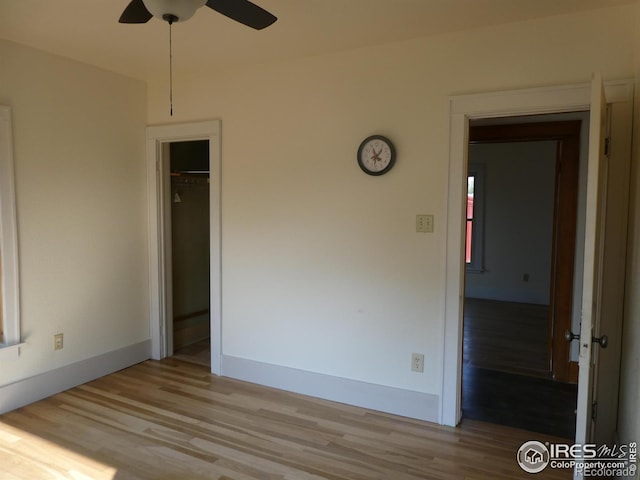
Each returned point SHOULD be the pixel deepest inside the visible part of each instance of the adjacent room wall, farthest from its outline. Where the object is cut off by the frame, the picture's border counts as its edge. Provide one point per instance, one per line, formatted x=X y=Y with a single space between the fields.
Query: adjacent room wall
x=82 y=225
x=518 y=198
x=322 y=268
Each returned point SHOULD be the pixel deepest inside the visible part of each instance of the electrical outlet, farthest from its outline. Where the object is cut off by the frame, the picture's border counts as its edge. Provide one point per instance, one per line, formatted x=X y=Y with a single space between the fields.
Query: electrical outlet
x=424 y=223
x=417 y=362
x=58 y=341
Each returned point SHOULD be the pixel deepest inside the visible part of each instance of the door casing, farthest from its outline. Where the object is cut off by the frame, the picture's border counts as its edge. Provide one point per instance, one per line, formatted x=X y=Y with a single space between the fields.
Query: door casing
x=463 y=108
x=158 y=137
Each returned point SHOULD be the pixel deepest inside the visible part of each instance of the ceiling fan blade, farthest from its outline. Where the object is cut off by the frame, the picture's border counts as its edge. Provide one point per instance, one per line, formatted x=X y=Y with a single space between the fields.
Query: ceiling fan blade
x=135 y=12
x=243 y=11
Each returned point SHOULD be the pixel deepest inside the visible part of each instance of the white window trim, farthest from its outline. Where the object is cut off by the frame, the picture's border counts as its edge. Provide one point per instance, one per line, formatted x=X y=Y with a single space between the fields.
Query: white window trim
x=9 y=241
x=477 y=235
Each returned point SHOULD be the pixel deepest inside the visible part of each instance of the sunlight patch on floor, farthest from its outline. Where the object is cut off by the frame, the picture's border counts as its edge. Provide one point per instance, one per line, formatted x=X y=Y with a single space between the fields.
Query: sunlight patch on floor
x=24 y=455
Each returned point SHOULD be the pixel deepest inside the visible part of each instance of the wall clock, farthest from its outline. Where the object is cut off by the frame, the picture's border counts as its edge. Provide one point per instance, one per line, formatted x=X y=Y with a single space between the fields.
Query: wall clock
x=376 y=155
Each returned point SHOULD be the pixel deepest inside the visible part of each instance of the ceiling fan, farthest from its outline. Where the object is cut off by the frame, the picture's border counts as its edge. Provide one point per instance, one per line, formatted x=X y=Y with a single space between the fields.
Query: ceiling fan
x=172 y=11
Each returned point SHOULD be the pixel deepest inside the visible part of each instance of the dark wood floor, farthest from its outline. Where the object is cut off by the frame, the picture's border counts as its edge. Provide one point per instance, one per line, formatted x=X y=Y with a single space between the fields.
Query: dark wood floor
x=531 y=403
x=506 y=379
x=506 y=336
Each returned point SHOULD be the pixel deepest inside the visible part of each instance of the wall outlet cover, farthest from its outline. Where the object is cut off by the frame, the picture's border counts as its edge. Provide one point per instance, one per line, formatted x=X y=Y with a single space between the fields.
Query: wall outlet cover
x=417 y=362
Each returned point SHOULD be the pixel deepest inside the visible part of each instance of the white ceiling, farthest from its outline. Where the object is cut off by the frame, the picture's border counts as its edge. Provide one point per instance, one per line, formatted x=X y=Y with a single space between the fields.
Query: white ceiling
x=88 y=30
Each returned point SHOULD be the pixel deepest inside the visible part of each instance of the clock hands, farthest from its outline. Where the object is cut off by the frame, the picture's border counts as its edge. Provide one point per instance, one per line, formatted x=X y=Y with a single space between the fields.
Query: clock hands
x=376 y=155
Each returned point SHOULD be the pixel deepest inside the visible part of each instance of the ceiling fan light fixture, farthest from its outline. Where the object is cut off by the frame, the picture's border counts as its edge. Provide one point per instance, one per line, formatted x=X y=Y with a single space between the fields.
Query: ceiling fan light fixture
x=180 y=9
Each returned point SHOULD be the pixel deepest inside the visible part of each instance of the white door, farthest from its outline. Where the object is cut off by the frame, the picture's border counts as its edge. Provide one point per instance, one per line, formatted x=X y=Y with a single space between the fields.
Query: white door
x=593 y=262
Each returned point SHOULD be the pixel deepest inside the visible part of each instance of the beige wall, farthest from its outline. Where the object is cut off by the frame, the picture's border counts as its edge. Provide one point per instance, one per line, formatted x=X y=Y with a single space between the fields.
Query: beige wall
x=322 y=268
x=80 y=193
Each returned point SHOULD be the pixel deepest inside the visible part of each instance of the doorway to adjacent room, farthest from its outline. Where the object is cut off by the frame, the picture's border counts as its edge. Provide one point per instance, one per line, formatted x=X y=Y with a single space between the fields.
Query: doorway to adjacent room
x=523 y=231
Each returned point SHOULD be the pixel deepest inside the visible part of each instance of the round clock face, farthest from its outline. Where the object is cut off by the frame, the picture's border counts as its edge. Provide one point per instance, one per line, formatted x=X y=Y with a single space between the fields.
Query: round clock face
x=376 y=155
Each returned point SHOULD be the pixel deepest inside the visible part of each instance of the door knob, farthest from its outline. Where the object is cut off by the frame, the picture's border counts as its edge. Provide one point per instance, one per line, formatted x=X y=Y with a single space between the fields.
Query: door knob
x=603 y=341
x=569 y=336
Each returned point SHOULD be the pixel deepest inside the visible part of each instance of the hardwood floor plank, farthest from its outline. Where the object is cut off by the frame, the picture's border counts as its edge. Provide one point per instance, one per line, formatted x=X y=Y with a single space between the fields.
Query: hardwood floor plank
x=506 y=336
x=506 y=377
x=173 y=420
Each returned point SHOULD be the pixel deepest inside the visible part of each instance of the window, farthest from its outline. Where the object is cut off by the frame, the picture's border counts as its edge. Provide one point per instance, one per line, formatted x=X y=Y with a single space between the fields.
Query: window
x=474 y=253
x=9 y=295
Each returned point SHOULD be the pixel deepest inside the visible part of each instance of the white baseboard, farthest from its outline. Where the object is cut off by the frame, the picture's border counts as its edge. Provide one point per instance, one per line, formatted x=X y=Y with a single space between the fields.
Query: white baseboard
x=422 y=406
x=32 y=389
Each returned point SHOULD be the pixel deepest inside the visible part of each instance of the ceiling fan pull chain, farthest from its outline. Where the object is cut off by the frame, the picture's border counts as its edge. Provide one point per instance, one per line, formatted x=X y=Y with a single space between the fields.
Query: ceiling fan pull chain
x=170 y=72
x=170 y=19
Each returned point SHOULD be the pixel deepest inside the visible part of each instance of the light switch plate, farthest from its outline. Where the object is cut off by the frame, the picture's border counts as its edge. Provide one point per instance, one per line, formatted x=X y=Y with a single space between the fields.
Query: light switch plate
x=424 y=223
x=58 y=341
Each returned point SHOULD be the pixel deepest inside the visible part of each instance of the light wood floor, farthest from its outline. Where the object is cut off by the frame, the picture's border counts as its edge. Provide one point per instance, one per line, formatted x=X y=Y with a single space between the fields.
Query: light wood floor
x=173 y=420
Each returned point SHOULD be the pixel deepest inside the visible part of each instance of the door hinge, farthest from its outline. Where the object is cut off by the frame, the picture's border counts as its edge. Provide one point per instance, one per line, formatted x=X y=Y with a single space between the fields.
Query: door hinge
x=594 y=411
x=607 y=145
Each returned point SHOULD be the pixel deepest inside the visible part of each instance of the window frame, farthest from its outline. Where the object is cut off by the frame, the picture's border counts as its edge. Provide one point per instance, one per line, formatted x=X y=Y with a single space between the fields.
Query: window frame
x=476 y=265
x=9 y=269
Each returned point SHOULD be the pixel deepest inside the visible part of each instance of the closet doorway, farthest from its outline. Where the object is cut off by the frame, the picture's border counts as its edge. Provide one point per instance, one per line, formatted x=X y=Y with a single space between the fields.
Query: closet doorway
x=188 y=236
x=159 y=141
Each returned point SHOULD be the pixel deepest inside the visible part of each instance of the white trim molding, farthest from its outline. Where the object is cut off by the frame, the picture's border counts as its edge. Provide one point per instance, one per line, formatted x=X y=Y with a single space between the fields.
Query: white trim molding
x=158 y=137
x=32 y=389
x=10 y=280
x=397 y=401
x=462 y=109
